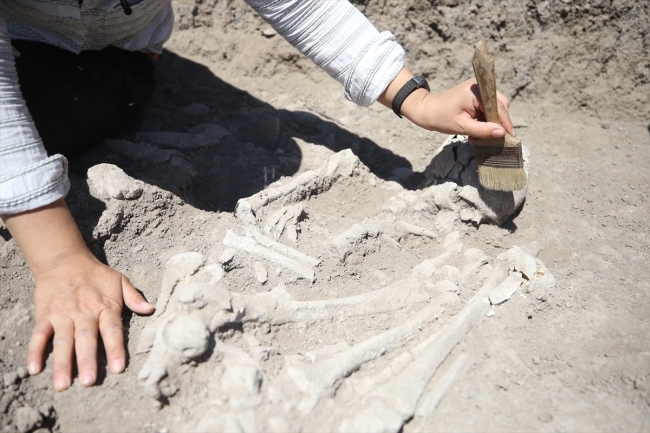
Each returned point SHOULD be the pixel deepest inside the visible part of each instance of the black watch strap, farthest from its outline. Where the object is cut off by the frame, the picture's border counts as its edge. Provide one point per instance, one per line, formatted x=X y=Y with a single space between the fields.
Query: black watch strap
x=411 y=86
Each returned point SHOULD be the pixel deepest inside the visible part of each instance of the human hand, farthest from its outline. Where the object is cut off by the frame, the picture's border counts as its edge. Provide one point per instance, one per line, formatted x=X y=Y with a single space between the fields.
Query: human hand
x=456 y=111
x=76 y=296
x=75 y=301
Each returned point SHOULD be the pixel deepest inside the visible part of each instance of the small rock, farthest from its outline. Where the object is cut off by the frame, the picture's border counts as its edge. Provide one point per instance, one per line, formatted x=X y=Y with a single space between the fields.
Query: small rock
x=109 y=181
x=536 y=360
x=27 y=419
x=196 y=109
x=269 y=32
x=490 y=313
x=22 y=372
x=260 y=272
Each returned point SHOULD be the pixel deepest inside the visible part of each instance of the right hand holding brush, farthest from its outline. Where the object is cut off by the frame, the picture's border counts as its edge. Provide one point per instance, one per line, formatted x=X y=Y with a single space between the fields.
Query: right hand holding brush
x=456 y=111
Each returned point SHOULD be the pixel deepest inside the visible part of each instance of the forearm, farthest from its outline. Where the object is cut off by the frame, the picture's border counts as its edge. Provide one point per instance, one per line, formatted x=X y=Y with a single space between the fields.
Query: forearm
x=46 y=235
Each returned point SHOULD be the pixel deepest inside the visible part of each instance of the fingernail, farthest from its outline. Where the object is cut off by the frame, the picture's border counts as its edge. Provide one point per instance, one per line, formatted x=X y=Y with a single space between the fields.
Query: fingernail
x=499 y=133
x=61 y=383
x=117 y=366
x=32 y=368
x=87 y=379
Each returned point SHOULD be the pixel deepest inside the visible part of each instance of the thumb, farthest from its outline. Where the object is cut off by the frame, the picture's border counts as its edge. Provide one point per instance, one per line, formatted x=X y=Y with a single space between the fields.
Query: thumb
x=477 y=129
x=133 y=299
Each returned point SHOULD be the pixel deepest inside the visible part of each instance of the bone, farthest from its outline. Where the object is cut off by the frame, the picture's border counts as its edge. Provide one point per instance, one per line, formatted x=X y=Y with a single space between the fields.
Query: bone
x=417 y=230
x=519 y=261
x=107 y=181
x=286 y=217
x=312 y=380
x=506 y=289
x=401 y=393
x=177 y=267
x=261 y=274
x=250 y=246
x=438 y=388
x=283 y=249
x=345 y=243
x=341 y=164
x=276 y=309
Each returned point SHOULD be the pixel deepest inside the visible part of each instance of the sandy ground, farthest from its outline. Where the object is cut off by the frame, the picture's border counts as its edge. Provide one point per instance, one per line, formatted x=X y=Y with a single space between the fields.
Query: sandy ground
x=576 y=360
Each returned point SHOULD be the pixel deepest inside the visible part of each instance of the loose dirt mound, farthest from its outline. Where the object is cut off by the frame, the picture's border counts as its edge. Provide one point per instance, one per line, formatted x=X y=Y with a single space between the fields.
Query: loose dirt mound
x=312 y=273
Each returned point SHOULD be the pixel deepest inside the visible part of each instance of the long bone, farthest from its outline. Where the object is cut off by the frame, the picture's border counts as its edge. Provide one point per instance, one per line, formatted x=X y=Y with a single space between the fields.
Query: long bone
x=341 y=164
x=250 y=246
x=312 y=380
x=439 y=387
x=267 y=307
x=397 y=399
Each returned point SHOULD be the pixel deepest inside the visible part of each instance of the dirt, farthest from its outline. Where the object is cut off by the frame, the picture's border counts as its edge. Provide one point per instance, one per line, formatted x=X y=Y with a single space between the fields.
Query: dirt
x=574 y=359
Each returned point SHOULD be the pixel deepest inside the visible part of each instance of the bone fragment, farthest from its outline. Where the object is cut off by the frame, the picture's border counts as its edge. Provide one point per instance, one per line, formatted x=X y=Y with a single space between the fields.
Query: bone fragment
x=283 y=249
x=261 y=274
x=418 y=231
x=250 y=246
x=345 y=243
x=312 y=380
x=506 y=289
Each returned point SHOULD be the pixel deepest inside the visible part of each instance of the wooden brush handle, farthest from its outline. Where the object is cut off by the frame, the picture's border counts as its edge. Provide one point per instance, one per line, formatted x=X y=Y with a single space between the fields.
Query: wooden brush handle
x=483 y=64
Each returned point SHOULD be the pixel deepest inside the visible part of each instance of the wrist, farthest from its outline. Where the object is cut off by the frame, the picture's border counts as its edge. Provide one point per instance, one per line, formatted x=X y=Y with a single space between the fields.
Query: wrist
x=47 y=236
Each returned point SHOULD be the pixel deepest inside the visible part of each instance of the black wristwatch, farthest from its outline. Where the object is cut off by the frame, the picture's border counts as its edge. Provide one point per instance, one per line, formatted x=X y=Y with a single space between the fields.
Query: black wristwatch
x=411 y=86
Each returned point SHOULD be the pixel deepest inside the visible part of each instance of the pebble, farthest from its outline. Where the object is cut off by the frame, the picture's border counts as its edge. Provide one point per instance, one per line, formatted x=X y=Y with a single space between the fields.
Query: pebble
x=536 y=360
x=490 y=313
x=22 y=372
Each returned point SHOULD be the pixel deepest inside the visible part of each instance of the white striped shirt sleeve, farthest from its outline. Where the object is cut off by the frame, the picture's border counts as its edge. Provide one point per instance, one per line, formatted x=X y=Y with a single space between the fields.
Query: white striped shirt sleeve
x=28 y=178
x=339 y=39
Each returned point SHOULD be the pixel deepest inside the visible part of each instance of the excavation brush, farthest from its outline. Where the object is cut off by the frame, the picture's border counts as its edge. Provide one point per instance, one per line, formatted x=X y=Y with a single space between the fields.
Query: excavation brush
x=500 y=161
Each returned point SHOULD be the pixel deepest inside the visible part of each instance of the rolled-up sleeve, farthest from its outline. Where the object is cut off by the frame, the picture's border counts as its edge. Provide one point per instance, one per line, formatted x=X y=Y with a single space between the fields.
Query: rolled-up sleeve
x=29 y=178
x=339 y=39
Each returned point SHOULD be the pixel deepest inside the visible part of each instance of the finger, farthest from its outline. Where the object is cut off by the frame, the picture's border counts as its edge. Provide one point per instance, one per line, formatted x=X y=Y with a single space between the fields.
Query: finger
x=40 y=336
x=110 y=327
x=133 y=299
x=504 y=115
x=474 y=128
x=63 y=351
x=85 y=342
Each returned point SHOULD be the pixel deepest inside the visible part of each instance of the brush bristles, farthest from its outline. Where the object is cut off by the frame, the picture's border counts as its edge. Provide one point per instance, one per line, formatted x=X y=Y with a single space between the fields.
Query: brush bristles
x=502 y=179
